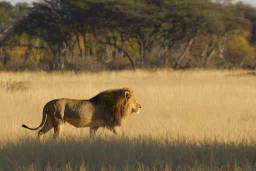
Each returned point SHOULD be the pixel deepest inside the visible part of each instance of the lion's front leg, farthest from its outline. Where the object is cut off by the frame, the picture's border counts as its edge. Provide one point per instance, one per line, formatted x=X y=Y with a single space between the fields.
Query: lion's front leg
x=94 y=126
x=113 y=129
x=93 y=131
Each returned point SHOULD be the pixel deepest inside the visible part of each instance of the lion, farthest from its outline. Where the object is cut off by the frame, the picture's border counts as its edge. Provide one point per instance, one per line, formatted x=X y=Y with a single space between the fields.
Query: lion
x=106 y=109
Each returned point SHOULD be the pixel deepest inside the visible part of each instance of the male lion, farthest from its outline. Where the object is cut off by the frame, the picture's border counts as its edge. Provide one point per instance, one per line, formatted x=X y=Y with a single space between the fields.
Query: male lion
x=107 y=109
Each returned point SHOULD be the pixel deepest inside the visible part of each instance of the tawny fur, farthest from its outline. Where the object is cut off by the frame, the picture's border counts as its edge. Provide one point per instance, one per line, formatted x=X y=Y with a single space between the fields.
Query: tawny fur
x=107 y=109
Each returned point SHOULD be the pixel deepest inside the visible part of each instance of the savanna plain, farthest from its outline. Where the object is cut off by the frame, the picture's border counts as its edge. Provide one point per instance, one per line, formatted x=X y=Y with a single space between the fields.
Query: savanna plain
x=190 y=120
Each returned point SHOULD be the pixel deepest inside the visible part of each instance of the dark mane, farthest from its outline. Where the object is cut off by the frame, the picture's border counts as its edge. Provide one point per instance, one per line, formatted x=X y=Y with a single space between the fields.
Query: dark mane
x=114 y=100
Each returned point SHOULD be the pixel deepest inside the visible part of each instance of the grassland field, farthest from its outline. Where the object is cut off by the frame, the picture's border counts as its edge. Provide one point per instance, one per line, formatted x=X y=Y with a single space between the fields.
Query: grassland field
x=190 y=120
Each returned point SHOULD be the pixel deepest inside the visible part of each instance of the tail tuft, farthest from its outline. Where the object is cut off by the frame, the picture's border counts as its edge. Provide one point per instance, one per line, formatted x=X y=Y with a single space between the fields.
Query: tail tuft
x=24 y=126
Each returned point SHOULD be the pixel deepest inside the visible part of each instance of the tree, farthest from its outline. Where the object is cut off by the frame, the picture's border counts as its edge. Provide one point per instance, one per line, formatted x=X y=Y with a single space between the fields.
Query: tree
x=135 y=33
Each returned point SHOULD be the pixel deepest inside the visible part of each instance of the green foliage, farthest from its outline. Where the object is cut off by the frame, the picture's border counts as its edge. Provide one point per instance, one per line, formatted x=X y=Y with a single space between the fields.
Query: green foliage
x=239 y=52
x=139 y=33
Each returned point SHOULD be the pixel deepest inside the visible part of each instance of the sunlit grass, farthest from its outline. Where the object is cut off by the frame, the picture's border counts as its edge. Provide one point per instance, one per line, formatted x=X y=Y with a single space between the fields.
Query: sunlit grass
x=190 y=120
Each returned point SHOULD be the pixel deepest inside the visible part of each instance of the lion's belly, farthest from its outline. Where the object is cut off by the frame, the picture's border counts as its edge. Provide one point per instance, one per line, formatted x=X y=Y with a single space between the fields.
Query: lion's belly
x=77 y=122
x=79 y=115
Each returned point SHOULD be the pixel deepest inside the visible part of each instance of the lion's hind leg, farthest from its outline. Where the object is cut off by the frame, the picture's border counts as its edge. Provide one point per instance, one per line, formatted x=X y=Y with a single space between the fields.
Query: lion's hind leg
x=57 y=131
x=47 y=127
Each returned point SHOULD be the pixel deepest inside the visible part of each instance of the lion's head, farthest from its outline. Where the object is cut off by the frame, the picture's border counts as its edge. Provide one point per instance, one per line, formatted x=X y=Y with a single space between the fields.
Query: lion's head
x=125 y=105
x=131 y=105
x=121 y=101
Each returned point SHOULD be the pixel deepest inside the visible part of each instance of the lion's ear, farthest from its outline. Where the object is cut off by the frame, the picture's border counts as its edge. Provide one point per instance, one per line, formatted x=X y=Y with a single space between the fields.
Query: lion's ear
x=128 y=94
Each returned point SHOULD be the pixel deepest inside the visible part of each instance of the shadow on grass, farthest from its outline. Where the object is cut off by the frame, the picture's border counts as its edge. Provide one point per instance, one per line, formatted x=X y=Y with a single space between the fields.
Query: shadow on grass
x=126 y=154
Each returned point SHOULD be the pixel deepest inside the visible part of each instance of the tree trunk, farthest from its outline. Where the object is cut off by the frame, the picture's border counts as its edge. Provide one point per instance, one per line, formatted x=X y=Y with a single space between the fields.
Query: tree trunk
x=142 y=52
x=183 y=55
x=79 y=45
x=122 y=50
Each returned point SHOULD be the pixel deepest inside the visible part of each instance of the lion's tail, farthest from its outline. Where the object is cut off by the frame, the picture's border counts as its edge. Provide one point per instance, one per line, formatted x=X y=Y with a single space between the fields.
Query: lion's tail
x=41 y=124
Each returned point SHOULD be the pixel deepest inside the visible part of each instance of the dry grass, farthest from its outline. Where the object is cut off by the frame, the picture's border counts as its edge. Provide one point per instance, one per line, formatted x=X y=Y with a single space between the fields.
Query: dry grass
x=196 y=120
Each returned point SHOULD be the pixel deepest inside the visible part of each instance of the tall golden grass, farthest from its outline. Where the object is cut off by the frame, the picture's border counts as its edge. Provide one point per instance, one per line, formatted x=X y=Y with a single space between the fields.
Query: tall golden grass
x=190 y=120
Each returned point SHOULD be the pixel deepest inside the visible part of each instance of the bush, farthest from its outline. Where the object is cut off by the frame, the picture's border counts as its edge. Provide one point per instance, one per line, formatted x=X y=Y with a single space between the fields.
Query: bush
x=238 y=52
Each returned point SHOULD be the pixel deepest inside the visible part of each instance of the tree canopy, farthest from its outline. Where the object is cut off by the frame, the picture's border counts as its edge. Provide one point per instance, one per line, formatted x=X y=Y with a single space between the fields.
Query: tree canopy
x=123 y=34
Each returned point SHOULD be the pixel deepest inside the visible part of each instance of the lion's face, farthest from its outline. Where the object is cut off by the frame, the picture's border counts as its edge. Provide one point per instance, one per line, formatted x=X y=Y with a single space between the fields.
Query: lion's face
x=134 y=106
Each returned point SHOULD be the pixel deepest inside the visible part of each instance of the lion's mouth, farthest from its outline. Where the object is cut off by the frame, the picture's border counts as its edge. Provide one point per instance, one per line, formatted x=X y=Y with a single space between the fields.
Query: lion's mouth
x=137 y=112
